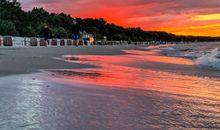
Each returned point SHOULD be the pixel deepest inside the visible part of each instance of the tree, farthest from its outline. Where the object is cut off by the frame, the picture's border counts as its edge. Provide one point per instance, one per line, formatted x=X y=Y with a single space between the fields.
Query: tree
x=29 y=31
x=7 y=28
x=60 y=33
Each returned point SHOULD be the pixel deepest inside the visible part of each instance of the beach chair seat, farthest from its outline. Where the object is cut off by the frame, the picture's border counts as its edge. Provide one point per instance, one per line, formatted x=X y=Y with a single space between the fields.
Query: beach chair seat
x=62 y=42
x=53 y=42
x=69 y=42
x=7 y=41
x=33 y=42
x=43 y=42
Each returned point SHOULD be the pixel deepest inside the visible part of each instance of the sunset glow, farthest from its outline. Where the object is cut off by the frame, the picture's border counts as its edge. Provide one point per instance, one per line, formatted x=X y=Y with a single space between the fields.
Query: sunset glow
x=114 y=73
x=185 y=17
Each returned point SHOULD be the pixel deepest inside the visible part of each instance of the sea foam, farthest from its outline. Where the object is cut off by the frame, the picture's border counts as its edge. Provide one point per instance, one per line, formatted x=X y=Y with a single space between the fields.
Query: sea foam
x=211 y=59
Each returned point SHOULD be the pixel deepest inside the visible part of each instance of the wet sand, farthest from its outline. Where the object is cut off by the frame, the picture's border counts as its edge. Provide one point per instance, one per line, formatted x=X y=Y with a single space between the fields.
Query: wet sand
x=34 y=102
x=103 y=88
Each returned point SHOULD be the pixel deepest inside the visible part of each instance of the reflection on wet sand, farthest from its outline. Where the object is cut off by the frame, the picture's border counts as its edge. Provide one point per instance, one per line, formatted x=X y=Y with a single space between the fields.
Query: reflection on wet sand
x=178 y=101
x=113 y=96
x=115 y=73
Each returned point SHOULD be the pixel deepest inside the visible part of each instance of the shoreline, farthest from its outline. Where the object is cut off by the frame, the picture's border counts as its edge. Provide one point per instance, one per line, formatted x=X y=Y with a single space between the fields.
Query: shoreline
x=128 y=91
x=30 y=59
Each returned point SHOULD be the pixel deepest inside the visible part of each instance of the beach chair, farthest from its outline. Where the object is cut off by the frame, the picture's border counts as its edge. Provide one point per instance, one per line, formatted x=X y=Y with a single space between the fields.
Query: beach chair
x=62 y=42
x=43 y=42
x=33 y=42
x=7 y=41
x=54 y=42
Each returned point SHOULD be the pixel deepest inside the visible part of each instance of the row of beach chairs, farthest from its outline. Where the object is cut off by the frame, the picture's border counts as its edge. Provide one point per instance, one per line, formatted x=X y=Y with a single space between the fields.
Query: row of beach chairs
x=9 y=41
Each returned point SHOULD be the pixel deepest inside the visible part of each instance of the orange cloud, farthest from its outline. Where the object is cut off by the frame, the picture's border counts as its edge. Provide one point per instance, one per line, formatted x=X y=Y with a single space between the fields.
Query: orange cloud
x=184 y=17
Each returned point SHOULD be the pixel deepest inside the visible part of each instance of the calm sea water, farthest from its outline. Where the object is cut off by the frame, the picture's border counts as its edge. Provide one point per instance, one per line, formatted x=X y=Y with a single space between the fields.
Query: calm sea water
x=156 y=87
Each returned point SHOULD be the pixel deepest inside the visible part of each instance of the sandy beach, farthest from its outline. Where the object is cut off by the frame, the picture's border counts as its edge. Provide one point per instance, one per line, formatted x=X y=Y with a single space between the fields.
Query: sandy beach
x=27 y=59
x=109 y=65
x=106 y=88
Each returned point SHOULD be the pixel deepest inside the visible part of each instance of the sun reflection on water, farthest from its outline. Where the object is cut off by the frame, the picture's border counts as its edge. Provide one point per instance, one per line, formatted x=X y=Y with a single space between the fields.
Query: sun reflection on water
x=115 y=73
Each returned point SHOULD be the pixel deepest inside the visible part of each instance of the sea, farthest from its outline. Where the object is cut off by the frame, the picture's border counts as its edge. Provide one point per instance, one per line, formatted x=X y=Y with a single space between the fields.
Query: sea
x=165 y=87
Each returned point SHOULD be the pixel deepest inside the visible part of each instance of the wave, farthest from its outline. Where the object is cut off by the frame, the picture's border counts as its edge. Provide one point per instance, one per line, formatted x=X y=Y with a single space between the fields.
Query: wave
x=211 y=59
x=168 y=48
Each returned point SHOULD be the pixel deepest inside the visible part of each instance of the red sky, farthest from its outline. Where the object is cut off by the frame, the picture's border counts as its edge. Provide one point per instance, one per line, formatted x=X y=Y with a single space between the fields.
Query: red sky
x=185 y=17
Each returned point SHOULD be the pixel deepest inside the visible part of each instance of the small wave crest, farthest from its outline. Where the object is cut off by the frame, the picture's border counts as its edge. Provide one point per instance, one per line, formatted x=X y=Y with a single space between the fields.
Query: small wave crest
x=211 y=59
x=168 y=48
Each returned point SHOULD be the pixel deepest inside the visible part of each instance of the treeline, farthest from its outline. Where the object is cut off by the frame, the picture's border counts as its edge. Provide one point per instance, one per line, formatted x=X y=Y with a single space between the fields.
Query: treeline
x=17 y=22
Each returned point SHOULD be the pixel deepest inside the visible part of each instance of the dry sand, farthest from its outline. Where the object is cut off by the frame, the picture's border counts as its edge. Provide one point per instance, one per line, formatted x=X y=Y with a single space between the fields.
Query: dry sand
x=26 y=60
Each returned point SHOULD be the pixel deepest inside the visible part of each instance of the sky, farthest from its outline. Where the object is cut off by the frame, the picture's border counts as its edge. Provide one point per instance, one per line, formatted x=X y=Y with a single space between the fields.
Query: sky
x=181 y=17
